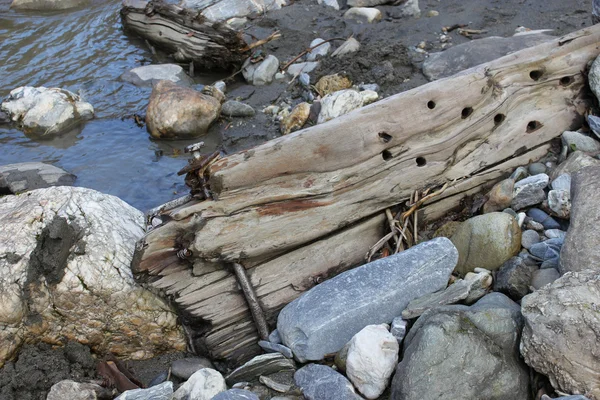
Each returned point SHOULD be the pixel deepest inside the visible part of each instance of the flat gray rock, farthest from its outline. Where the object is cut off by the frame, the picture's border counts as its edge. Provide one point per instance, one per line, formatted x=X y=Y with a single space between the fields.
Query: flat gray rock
x=264 y=364
x=581 y=248
x=148 y=74
x=320 y=382
x=576 y=161
x=460 y=352
x=326 y=317
x=22 y=177
x=451 y=295
x=581 y=142
x=236 y=394
x=232 y=108
x=479 y=51
x=164 y=391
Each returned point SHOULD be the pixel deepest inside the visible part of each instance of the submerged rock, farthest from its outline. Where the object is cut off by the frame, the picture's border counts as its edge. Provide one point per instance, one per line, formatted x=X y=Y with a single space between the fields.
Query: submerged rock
x=22 y=177
x=325 y=318
x=46 y=111
x=460 y=352
x=65 y=255
x=176 y=112
x=320 y=382
x=560 y=334
x=150 y=74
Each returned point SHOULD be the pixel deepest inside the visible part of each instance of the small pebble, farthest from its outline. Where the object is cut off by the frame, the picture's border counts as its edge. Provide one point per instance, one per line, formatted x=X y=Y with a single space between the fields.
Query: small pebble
x=304 y=79
x=160 y=378
x=521 y=218
x=398 y=329
x=432 y=13
x=519 y=173
x=371 y=86
x=529 y=238
x=536 y=226
x=221 y=86
x=511 y=212
x=537 y=168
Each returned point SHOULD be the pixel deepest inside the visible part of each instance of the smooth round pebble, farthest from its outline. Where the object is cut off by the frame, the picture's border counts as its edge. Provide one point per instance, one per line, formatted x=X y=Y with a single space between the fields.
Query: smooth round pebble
x=537 y=168
x=529 y=238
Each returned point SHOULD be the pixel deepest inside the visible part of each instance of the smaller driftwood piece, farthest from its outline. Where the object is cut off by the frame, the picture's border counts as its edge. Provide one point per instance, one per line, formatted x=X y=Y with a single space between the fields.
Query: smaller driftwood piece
x=304 y=207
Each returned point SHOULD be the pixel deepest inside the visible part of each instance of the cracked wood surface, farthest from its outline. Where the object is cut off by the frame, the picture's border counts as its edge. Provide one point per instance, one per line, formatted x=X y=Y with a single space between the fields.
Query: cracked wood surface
x=304 y=207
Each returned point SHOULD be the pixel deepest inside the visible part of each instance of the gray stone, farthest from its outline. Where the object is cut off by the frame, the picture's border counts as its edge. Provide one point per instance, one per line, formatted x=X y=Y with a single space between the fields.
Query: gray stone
x=540 y=216
x=519 y=174
x=500 y=196
x=594 y=123
x=514 y=278
x=236 y=394
x=454 y=293
x=529 y=191
x=19 y=178
x=46 y=111
x=481 y=283
x=278 y=382
x=529 y=238
x=320 y=382
x=339 y=103
x=543 y=277
x=70 y=390
x=563 y=182
x=304 y=79
x=551 y=263
x=594 y=77
x=486 y=241
x=302 y=67
x=369 y=86
x=275 y=348
x=511 y=212
x=160 y=378
x=576 y=161
x=534 y=225
x=164 y=391
x=46 y=5
x=264 y=364
x=204 y=384
x=547 y=250
x=318 y=52
x=399 y=328
x=232 y=108
x=149 y=74
x=330 y=3
x=460 y=352
x=325 y=318
x=274 y=337
x=261 y=73
x=186 y=367
x=349 y=46
x=559 y=203
x=581 y=249
x=475 y=52
x=574 y=397
x=579 y=141
x=536 y=168
x=560 y=338
x=554 y=234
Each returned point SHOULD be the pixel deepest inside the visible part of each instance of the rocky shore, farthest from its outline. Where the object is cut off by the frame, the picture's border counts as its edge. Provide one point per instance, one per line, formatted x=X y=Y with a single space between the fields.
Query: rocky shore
x=496 y=300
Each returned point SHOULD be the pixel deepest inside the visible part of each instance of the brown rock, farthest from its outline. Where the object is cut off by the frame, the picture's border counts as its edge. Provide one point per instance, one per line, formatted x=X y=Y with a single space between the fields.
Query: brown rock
x=296 y=119
x=176 y=112
x=500 y=196
x=332 y=83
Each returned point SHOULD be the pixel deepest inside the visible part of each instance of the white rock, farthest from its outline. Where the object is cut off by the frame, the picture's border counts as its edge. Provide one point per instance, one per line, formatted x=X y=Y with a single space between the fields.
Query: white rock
x=349 y=46
x=363 y=14
x=369 y=96
x=329 y=3
x=261 y=73
x=559 y=201
x=339 y=103
x=320 y=51
x=148 y=74
x=224 y=10
x=202 y=385
x=410 y=8
x=46 y=111
x=372 y=357
x=70 y=390
x=65 y=256
x=298 y=68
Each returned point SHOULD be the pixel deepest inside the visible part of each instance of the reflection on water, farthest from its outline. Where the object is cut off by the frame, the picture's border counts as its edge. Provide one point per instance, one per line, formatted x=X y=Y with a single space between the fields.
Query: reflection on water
x=85 y=51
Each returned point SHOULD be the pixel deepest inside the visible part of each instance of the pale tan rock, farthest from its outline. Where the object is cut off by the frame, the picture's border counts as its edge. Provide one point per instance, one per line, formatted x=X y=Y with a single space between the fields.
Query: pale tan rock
x=296 y=119
x=500 y=196
x=176 y=112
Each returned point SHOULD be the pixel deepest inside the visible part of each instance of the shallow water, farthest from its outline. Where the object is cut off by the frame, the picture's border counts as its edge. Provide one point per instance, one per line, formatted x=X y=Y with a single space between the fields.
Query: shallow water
x=85 y=50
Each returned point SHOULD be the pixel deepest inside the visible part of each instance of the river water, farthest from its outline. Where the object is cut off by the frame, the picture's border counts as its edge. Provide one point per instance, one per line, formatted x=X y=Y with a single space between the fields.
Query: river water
x=85 y=50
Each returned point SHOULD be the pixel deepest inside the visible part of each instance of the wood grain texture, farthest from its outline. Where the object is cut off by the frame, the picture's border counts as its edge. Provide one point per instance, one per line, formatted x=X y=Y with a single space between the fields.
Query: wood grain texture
x=306 y=206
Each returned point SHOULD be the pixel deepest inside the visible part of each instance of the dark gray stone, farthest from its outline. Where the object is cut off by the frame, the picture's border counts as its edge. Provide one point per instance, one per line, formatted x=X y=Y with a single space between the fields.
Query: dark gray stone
x=158 y=379
x=594 y=123
x=542 y=277
x=529 y=191
x=581 y=249
x=232 y=108
x=22 y=177
x=460 y=352
x=236 y=394
x=326 y=317
x=320 y=382
x=560 y=337
x=547 y=250
x=264 y=364
x=185 y=367
x=552 y=263
x=514 y=277
x=164 y=391
x=275 y=348
x=475 y=52
x=540 y=216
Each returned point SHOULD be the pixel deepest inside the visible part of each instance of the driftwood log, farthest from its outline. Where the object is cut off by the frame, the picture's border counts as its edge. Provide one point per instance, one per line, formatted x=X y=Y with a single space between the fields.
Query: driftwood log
x=187 y=35
x=304 y=207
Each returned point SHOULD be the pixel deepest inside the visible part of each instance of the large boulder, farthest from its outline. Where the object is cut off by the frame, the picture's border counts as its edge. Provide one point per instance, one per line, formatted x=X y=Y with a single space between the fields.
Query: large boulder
x=21 y=177
x=65 y=255
x=325 y=318
x=486 y=241
x=560 y=337
x=176 y=112
x=581 y=248
x=46 y=5
x=46 y=111
x=475 y=52
x=467 y=353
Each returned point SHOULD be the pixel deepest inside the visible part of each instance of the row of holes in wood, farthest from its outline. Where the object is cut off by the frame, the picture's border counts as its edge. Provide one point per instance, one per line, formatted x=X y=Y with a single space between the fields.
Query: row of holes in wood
x=532 y=126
